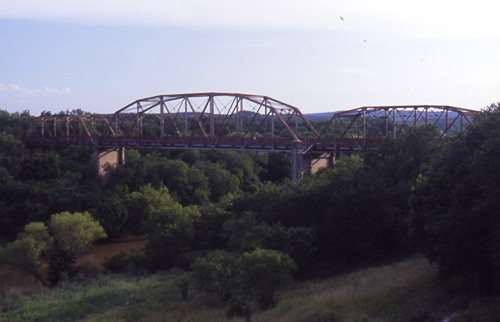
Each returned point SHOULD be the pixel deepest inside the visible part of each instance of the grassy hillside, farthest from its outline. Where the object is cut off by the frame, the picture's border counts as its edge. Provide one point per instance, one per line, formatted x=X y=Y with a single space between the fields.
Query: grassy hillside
x=404 y=291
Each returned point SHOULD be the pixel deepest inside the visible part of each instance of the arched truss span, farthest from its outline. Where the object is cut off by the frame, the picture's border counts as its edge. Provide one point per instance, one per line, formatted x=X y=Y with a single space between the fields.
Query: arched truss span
x=65 y=129
x=394 y=120
x=239 y=121
x=364 y=127
x=212 y=120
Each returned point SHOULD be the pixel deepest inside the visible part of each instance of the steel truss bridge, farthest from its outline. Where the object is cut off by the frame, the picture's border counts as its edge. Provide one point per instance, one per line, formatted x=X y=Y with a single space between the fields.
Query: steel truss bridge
x=234 y=121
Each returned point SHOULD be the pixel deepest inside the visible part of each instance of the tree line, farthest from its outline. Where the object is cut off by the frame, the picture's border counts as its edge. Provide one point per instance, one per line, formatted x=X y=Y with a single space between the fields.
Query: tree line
x=234 y=219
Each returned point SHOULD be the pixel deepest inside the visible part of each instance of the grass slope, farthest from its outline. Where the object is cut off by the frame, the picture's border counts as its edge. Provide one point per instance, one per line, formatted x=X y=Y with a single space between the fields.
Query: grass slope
x=405 y=291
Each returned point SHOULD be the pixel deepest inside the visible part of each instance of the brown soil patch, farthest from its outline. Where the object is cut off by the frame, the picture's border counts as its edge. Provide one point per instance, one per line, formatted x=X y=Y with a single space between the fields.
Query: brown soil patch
x=10 y=278
x=107 y=250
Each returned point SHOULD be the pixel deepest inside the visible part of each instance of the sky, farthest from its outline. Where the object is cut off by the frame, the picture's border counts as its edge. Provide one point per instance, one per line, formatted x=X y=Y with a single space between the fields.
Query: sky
x=318 y=55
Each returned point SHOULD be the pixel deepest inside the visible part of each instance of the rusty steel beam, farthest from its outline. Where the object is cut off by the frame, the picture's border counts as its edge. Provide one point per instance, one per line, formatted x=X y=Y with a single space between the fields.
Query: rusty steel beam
x=68 y=129
x=239 y=122
x=213 y=116
x=402 y=117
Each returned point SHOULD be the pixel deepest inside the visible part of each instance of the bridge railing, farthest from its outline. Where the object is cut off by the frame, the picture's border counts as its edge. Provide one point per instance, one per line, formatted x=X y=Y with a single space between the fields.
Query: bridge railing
x=240 y=122
x=383 y=121
x=211 y=115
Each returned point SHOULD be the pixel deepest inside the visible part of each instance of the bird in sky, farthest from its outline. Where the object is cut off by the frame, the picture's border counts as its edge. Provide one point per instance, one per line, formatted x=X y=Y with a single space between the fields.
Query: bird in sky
x=341 y=18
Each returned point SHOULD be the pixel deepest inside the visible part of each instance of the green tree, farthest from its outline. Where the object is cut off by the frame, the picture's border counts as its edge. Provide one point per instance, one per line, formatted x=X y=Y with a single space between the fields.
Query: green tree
x=455 y=205
x=12 y=195
x=74 y=234
x=145 y=203
x=170 y=227
x=242 y=165
x=14 y=123
x=130 y=175
x=263 y=272
x=245 y=233
x=35 y=184
x=11 y=150
x=210 y=226
x=187 y=184
x=25 y=254
x=221 y=182
x=113 y=214
x=250 y=281
x=216 y=273
x=41 y=166
x=67 y=236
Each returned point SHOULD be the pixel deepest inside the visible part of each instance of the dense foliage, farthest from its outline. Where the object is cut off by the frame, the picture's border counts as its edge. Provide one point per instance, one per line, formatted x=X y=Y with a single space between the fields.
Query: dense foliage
x=222 y=213
x=249 y=281
x=66 y=236
x=456 y=206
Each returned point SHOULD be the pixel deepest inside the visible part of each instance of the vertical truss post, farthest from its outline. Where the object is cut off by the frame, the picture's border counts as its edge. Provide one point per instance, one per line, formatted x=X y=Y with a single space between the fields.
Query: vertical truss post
x=185 y=116
x=139 y=118
x=162 y=119
x=212 y=116
x=447 y=123
x=265 y=124
x=364 y=124
x=272 y=125
x=357 y=126
x=241 y=117
x=386 y=119
x=297 y=161
x=394 y=126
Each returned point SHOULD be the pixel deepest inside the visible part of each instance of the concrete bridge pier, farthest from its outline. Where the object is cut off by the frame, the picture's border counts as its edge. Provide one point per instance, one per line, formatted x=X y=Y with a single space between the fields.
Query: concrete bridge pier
x=297 y=161
x=304 y=164
x=108 y=158
x=318 y=162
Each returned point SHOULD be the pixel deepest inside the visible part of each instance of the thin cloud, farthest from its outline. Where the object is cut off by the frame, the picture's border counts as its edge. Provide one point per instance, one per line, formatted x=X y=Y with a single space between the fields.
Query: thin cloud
x=359 y=72
x=418 y=18
x=215 y=13
x=46 y=90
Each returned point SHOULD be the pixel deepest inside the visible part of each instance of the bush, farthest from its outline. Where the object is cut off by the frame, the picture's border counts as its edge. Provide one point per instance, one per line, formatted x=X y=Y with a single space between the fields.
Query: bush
x=90 y=269
x=125 y=262
x=249 y=281
x=262 y=273
x=455 y=206
x=216 y=273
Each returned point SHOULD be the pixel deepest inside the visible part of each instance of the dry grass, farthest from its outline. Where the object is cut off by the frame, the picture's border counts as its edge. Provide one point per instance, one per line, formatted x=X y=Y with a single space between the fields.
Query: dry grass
x=404 y=291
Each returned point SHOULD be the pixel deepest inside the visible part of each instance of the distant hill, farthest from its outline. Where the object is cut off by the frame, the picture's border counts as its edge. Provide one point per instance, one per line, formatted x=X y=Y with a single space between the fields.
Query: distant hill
x=401 y=117
x=319 y=116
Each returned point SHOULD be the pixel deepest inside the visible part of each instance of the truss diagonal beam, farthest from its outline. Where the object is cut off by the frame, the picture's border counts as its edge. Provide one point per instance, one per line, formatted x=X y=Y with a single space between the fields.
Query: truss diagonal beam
x=239 y=122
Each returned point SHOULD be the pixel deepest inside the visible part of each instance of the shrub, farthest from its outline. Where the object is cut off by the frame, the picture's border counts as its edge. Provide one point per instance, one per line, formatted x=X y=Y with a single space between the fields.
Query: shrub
x=216 y=273
x=125 y=262
x=455 y=206
x=90 y=269
x=262 y=273
x=250 y=281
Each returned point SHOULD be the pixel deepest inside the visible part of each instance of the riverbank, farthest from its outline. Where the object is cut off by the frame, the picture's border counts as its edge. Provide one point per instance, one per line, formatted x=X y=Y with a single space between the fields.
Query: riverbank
x=407 y=290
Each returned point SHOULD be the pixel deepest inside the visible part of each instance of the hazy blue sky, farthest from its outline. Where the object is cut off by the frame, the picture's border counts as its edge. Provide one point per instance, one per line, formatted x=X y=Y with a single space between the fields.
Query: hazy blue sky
x=319 y=55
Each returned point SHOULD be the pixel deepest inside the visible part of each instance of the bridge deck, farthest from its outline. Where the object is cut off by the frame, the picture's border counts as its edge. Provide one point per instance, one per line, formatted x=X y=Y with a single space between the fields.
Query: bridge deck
x=233 y=121
x=213 y=143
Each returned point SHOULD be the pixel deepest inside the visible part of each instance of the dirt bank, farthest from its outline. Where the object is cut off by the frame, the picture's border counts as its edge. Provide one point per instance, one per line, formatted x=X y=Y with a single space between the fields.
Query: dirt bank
x=10 y=278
